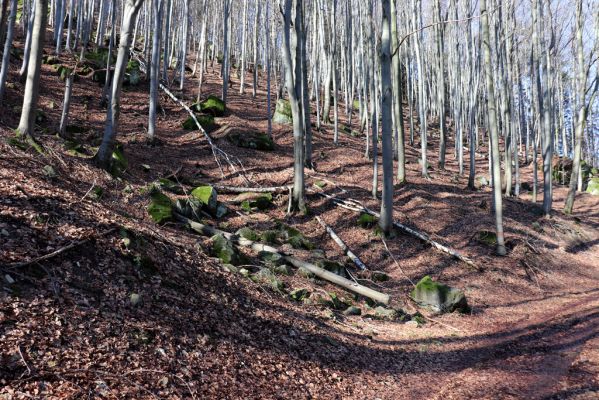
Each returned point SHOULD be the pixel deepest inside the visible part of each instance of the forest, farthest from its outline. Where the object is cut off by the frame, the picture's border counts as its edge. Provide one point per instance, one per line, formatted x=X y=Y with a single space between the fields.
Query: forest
x=274 y=199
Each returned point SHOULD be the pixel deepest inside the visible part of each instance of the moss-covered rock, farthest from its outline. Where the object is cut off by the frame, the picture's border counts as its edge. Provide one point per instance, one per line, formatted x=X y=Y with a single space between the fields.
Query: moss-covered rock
x=294 y=237
x=207 y=195
x=593 y=186
x=385 y=313
x=352 y=310
x=299 y=294
x=132 y=73
x=225 y=250
x=366 y=221
x=160 y=207
x=190 y=208
x=206 y=122
x=213 y=106
x=266 y=276
x=487 y=237
x=283 y=114
x=439 y=297
x=269 y=236
x=248 y=233
x=118 y=161
x=248 y=201
x=251 y=140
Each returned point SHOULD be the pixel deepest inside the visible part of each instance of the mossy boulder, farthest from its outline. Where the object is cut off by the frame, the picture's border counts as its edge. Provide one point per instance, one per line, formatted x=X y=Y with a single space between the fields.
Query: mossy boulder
x=251 y=140
x=132 y=73
x=299 y=294
x=189 y=208
x=283 y=114
x=593 y=186
x=385 y=313
x=269 y=236
x=294 y=237
x=213 y=106
x=160 y=207
x=248 y=233
x=206 y=122
x=487 y=237
x=439 y=297
x=207 y=195
x=267 y=277
x=249 y=201
x=225 y=250
x=118 y=161
x=366 y=221
x=271 y=260
x=99 y=57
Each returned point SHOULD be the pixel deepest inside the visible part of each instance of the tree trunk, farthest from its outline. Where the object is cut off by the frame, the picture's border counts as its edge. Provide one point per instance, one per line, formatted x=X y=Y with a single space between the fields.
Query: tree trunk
x=103 y=157
x=31 y=95
x=494 y=136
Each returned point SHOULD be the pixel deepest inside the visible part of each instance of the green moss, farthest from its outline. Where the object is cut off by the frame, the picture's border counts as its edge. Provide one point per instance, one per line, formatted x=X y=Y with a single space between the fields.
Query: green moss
x=118 y=163
x=205 y=121
x=160 y=208
x=487 y=237
x=438 y=296
x=366 y=221
x=225 y=251
x=593 y=186
x=207 y=195
x=213 y=105
x=251 y=140
x=269 y=236
x=283 y=114
x=248 y=233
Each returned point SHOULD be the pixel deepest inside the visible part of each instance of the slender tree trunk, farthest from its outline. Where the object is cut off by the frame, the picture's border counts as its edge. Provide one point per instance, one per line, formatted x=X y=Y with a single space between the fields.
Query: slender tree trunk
x=494 y=136
x=386 y=219
x=7 y=46
x=31 y=95
x=104 y=154
x=157 y=6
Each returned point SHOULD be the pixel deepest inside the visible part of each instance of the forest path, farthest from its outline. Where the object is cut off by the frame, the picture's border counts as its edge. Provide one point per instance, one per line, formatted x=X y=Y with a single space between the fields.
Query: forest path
x=533 y=357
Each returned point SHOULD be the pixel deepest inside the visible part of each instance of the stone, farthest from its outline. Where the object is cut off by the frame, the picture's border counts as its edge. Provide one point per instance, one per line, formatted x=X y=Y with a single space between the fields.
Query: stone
x=9 y=279
x=593 y=186
x=251 y=140
x=352 y=310
x=225 y=250
x=49 y=171
x=379 y=276
x=249 y=201
x=189 y=208
x=213 y=106
x=385 y=313
x=135 y=299
x=207 y=195
x=439 y=297
x=269 y=236
x=487 y=237
x=248 y=233
x=294 y=238
x=299 y=294
x=266 y=276
x=412 y=324
x=4 y=232
x=205 y=121
x=283 y=114
x=160 y=207
x=118 y=161
x=221 y=210
x=366 y=221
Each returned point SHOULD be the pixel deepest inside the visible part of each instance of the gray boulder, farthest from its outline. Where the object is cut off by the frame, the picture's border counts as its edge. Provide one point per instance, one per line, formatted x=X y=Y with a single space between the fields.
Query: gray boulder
x=439 y=297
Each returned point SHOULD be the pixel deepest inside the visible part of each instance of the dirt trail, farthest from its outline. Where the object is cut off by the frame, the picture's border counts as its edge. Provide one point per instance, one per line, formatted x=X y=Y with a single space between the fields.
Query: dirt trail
x=532 y=357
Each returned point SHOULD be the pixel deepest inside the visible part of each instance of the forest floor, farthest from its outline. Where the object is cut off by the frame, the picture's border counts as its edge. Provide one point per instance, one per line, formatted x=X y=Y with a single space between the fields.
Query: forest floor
x=69 y=330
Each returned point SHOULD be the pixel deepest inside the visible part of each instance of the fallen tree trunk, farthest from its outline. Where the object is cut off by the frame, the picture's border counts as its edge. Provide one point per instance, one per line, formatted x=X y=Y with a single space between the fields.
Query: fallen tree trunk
x=239 y=189
x=342 y=245
x=354 y=205
x=319 y=272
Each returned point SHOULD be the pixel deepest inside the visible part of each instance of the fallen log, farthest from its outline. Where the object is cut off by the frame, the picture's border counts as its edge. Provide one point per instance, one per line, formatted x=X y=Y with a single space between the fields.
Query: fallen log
x=240 y=189
x=207 y=230
x=356 y=206
x=342 y=245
